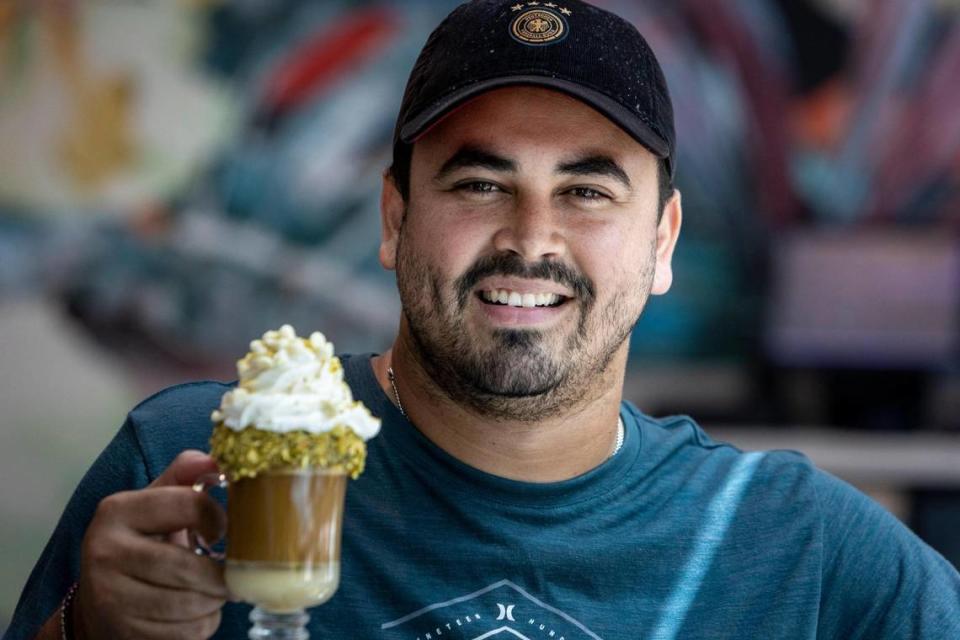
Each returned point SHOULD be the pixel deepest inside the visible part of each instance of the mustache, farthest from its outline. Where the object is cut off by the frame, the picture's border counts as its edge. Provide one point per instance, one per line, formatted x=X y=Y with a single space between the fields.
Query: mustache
x=511 y=264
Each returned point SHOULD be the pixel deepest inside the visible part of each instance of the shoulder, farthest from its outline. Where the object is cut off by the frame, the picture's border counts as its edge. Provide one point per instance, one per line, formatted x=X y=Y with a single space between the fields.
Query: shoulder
x=681 y=442
x=876 y=578
x=767 y=495
x=188 y=400
x=175 y=419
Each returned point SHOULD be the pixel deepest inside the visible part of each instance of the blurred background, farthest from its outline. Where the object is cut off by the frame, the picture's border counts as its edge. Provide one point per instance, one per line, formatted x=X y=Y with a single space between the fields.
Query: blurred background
x=178 y=176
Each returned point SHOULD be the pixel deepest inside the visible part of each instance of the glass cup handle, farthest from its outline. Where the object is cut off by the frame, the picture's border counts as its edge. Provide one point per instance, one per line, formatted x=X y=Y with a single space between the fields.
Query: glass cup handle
x=203 y=484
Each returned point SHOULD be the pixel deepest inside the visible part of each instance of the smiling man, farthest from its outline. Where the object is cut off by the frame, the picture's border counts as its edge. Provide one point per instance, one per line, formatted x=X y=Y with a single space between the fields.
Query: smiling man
x=529 y=215
x=530 y=237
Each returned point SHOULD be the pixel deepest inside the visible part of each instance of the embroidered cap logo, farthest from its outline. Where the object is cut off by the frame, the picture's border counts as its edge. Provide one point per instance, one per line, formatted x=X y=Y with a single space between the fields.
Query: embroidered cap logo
x=538 y=27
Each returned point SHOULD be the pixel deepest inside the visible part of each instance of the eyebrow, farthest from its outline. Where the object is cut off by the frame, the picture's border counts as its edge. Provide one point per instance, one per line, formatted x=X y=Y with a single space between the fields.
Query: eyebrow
x=596 y=165
x=472 y=156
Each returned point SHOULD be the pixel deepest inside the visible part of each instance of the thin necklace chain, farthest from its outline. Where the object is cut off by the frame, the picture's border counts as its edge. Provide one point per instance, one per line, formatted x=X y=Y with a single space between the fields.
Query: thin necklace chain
x=396 y=395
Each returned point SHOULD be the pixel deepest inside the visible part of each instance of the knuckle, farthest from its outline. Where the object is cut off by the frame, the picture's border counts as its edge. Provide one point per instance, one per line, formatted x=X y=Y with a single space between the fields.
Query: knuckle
x=98 y=550
x=183 y=567
x=210 y=624
x=131 y=630
x=186 y=605
x=198 y=629
x=164 y=607
x=187 y=454
x=110 y=507
x=94 y=552
x=178 y=567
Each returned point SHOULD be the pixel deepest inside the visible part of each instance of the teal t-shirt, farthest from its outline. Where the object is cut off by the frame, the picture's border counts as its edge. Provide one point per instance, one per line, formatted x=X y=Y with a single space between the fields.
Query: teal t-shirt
x=676 y=536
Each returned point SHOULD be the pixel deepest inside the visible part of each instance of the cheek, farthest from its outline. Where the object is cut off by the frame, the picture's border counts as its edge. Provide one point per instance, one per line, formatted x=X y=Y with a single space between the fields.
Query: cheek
x=457 y=224
x=446 y=247
x=617 y=259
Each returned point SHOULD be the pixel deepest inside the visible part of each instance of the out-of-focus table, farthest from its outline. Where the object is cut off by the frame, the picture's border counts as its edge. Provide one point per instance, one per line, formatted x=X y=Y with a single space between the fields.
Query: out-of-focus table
x=910 y=460
x=886 y=466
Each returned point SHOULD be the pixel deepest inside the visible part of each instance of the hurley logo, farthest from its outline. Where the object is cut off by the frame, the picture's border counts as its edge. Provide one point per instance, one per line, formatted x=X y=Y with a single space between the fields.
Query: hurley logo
x=501 y=610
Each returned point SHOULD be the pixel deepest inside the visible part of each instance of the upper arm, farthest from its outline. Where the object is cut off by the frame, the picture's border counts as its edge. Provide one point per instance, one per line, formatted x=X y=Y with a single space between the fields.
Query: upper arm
x=879 y=579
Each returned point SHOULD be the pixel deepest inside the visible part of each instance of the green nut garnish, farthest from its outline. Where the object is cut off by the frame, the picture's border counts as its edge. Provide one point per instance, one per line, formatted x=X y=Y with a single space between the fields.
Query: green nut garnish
x=250 y=451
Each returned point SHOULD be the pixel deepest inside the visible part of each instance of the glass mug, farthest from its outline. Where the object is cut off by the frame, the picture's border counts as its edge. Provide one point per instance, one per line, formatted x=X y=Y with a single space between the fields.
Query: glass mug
x=283 y=545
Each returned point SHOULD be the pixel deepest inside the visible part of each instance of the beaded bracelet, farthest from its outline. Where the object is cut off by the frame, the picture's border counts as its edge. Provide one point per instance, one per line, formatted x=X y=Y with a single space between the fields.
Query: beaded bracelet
x=66 y=620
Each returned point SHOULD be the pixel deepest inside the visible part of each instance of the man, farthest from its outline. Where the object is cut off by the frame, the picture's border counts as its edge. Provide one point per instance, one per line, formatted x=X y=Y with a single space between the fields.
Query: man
x=528 y=215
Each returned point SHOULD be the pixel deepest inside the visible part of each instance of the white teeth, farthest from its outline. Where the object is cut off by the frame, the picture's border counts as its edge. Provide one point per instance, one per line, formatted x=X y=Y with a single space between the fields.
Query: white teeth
x=516 y=299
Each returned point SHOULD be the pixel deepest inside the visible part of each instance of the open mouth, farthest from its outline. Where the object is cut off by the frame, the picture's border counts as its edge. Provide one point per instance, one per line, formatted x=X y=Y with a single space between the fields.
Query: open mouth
x=509 y=298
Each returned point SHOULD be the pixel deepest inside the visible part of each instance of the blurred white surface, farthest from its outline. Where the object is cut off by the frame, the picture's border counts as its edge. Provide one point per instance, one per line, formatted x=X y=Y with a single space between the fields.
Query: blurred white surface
x=62 y=401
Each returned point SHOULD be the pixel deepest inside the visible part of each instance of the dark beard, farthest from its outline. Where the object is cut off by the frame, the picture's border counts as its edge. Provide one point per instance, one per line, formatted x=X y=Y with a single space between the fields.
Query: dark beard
x=516 y=377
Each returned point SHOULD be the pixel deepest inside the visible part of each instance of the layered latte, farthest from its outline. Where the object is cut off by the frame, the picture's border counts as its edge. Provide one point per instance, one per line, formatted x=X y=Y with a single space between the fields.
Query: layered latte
x=288 y=437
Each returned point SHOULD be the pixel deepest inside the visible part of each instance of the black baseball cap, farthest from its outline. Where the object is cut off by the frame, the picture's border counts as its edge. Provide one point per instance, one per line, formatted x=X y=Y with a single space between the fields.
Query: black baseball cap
x=566 y=45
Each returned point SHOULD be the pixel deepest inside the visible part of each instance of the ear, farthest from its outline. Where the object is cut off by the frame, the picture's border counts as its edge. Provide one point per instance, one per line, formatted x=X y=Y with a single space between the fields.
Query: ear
x=391 y=217
x=668 y=230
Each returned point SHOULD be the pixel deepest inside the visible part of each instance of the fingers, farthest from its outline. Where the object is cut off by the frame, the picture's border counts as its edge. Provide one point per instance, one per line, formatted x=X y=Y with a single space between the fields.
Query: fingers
x=172 y=567
x=164 y=510
x=154 y=603
x=133 y=582
x=112 y=545
x=112 y=602
x=186 y=469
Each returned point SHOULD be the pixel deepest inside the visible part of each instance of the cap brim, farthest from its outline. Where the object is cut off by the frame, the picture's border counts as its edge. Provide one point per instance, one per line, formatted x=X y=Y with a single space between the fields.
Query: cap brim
x=622 y=117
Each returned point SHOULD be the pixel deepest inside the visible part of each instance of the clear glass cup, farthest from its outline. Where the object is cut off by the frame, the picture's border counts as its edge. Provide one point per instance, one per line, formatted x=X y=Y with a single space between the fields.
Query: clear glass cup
x=283 y=545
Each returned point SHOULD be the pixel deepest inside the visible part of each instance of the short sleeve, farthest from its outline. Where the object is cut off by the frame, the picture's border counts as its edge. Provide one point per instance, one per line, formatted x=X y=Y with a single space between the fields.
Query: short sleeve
x=118 y=468
x=880 y=581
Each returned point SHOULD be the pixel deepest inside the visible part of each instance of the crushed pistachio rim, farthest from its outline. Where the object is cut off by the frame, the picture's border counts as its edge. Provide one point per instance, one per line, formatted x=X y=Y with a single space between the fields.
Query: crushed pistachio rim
x=250 y=451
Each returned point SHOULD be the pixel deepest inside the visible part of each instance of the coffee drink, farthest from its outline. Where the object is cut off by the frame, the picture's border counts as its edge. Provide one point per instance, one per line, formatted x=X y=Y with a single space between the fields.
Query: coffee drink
x=286 y=438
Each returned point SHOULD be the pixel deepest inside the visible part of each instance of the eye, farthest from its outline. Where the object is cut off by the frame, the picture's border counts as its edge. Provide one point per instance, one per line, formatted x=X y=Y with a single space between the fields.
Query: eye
x=478 y=186
x=588 y=193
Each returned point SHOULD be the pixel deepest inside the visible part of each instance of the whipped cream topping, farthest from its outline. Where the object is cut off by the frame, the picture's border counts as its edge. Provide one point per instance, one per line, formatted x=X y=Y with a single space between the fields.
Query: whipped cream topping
x=289 y=383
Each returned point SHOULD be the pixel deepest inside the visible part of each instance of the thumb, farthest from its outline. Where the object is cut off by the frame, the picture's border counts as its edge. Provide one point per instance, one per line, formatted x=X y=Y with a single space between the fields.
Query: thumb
x=186 y=469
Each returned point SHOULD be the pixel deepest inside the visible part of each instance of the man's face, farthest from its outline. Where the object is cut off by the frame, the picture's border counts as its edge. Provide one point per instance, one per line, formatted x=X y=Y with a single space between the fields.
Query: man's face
x=527 y=250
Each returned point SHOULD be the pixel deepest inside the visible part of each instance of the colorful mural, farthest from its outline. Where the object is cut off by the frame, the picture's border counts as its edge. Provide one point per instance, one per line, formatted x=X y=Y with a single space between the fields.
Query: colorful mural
x=174 y=162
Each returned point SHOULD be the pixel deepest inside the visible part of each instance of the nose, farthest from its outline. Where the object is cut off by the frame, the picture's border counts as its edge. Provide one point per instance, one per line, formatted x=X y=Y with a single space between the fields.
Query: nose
x=531 y=230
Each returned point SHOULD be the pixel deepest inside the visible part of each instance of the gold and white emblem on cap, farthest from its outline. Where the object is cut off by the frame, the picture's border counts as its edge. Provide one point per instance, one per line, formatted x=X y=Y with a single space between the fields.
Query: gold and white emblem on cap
x=538 y=26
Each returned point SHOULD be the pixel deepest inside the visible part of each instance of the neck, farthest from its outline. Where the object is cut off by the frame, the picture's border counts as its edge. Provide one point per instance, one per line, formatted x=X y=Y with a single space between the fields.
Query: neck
x=551 y=450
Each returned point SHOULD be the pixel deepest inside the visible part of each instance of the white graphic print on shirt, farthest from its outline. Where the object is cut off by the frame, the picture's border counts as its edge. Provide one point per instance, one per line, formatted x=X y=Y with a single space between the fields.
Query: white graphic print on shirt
x=500 y=610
